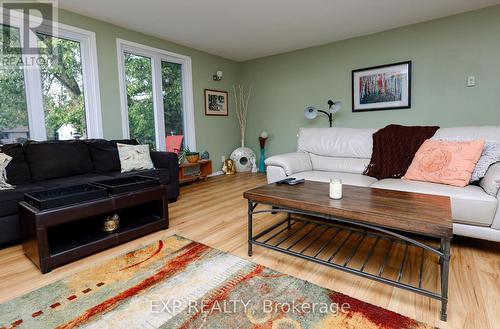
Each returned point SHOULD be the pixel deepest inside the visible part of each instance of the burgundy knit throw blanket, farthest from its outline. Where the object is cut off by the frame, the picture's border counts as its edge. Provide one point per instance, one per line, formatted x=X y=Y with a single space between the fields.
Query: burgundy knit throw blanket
x=394 y=148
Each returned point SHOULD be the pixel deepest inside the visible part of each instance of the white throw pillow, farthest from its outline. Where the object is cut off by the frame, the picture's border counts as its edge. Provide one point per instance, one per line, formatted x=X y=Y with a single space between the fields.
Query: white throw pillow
x=4 y=162
x=134 y=157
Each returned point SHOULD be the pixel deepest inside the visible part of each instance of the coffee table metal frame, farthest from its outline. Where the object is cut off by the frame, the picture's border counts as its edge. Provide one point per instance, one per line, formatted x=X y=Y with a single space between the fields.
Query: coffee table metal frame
x=361 y=229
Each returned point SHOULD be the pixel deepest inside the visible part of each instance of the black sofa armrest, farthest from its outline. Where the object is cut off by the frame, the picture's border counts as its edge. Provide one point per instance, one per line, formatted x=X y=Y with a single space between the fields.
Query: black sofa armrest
x=170 y=161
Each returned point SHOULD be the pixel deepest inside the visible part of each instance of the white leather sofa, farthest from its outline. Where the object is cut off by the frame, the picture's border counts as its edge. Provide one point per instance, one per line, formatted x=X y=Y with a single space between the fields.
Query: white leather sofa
x=344 y=153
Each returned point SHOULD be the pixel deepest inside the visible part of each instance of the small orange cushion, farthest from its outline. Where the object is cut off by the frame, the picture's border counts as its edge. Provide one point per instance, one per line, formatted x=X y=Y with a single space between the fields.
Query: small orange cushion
x=444 y=162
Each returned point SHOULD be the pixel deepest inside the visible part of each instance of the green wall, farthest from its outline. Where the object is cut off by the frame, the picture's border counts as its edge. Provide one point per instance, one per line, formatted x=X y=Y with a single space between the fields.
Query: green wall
x=444 y=52
x=218 y=135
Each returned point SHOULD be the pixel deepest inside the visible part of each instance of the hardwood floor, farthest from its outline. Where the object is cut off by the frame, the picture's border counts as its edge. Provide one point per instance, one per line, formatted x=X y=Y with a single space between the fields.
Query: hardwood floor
x=214 y=213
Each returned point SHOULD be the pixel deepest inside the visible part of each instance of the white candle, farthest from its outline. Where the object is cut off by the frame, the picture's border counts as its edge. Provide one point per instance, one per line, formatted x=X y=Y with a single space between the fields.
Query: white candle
x=335 y=189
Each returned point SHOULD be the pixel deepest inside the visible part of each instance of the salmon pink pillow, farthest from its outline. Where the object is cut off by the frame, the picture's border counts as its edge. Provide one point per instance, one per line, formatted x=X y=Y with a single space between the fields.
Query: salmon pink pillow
x=445 y=162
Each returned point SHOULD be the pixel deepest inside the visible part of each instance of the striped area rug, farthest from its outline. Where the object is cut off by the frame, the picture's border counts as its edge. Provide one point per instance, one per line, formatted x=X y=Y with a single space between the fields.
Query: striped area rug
x=179 y=283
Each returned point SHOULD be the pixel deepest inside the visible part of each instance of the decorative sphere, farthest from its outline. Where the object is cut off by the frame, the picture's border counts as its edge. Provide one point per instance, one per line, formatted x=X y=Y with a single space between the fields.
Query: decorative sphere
x=264 y=134
x=205 y=155
x=244 y=159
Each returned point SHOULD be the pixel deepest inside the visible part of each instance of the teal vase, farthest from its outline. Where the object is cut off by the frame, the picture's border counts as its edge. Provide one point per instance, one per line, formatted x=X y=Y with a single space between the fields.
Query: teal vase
x=262 y=164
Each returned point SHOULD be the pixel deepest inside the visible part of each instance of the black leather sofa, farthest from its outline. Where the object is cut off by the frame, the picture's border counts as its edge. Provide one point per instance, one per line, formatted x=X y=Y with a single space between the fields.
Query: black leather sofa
x=43 y=165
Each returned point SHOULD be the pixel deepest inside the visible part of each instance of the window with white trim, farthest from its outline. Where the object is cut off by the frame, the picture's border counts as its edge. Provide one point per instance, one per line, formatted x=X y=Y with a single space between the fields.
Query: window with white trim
x=53 y=93
x=156 y=93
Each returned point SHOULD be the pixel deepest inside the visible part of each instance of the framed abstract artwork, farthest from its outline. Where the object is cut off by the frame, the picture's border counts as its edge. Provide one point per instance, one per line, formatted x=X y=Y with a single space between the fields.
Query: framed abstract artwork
x=385 y=87
x=216 y=102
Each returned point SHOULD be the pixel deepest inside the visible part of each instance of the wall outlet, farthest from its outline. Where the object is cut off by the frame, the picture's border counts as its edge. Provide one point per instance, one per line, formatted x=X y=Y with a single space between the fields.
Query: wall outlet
x=471 y=81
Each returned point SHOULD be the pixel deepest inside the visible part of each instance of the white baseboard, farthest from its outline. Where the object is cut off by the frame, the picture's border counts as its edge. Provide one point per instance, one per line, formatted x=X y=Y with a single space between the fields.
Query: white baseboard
x=217 y=173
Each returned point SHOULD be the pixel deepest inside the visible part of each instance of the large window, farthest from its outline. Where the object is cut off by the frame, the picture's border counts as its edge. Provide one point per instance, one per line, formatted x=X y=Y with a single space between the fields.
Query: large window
x=156 y=95
x=55 y=96
x=140 y=98
x=62 y=88
x=14 y=124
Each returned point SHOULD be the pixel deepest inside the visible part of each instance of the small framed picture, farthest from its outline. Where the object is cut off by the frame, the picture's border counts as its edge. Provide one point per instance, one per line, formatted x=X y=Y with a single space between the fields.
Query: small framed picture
x=216 y=102
x=385 y=87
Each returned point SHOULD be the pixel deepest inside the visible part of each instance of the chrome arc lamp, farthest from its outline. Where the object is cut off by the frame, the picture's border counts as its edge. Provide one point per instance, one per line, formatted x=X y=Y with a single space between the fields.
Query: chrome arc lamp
x=311 y=112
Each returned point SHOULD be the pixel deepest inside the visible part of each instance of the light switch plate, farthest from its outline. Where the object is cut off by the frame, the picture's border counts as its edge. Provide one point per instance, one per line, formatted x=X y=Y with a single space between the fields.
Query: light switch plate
x=471 y=81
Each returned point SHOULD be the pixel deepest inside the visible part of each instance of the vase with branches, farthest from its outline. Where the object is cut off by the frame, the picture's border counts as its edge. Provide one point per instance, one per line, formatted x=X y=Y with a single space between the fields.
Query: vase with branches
x=243 y=157
x=241 y=105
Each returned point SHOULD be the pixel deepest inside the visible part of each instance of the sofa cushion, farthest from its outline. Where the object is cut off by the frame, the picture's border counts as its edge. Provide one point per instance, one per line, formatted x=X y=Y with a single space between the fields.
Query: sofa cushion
x=72 y=180
x=469 y=205
x=104 y=154
x=336 y=142
x=347 y=178
x=349 y=165
x=10 y=198
x=10 y=231
x=162 y=174
x=489 y=133
x=491 y=181
x=18 y=171
x=55 y=159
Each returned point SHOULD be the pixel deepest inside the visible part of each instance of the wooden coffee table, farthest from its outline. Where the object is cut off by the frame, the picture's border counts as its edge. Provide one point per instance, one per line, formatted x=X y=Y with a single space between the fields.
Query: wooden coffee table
x=383 y=217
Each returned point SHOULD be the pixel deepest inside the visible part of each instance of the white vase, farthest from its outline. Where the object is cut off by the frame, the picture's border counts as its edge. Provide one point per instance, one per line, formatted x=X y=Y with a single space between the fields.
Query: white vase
x=242 y=158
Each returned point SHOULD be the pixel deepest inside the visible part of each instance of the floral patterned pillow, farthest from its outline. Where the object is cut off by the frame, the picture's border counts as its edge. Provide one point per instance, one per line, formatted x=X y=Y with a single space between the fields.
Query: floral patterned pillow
x=134 y=157
x=4 y=162
x=445 y=162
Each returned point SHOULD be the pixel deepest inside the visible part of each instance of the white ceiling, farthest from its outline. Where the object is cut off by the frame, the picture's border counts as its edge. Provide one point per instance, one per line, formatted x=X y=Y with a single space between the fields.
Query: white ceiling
x=243 y=30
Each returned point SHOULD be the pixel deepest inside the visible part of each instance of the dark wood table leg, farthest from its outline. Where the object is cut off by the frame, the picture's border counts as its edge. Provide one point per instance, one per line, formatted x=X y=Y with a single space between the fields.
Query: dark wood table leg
x=445 y=269
x=250 y=231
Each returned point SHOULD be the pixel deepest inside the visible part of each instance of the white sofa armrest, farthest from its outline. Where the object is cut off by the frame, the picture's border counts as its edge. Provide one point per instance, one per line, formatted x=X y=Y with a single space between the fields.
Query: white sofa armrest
x=491 y=184
x=291 y=163
x=491 y=181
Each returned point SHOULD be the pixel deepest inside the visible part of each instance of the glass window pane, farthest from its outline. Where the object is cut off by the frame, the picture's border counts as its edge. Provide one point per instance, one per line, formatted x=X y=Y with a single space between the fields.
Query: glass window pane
x=62 y=88
x=172 y=98
x=13 y=111
x=140 y=99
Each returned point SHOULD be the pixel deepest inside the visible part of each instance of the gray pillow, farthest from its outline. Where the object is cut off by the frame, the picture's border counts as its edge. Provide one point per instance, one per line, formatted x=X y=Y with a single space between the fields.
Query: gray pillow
x=490 y=155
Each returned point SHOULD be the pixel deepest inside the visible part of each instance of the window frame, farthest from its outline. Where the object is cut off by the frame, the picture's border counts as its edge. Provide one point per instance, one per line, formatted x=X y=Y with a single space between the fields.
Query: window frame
x=33 y=82
x=157 y=56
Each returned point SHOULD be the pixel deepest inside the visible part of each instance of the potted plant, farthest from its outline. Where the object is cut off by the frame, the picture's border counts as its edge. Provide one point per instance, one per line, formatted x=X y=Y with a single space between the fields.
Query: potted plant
x=187 y=155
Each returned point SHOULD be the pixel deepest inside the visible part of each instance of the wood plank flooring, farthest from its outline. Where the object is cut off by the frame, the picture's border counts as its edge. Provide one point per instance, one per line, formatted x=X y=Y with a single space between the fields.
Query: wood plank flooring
x=214 y=213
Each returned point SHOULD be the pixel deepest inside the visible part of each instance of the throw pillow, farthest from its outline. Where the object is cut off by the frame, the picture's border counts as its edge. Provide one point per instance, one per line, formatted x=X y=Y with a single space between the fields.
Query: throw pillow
x=4 y=162
x=491 y=181
x=490 y=155
x=444 y=162
x=134 y=157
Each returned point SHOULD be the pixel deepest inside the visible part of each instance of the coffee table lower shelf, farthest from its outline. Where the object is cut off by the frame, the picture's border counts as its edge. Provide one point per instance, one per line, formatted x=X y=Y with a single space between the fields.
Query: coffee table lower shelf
x=335 y=242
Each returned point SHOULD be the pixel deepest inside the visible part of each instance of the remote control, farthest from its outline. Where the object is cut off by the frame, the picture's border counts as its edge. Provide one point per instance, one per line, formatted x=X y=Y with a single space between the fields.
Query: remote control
x=286 y=181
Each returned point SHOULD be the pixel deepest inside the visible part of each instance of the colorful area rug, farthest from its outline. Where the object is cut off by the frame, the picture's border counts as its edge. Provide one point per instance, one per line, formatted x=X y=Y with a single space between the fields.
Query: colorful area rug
x=178 y=283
